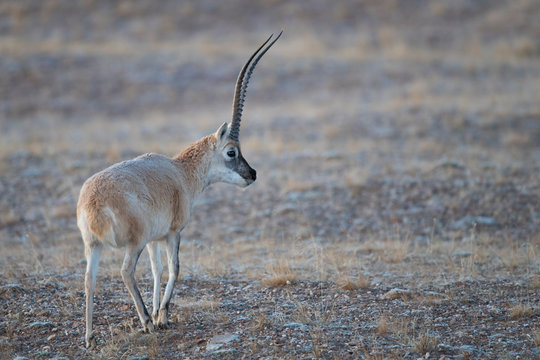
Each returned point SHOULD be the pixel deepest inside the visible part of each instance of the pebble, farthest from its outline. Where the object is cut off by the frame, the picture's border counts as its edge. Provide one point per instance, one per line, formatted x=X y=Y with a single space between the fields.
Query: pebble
x=436 y=295
x=218 y=341
x=469 y=221
x=213 y=347
x=298 y=326
x=40 y=324
x=287 y=208
x=11 y=288
x=224 y=352
x=469 y=349
x=461 y=254
x=447 y=349
x=4 y=341
x=397 y=293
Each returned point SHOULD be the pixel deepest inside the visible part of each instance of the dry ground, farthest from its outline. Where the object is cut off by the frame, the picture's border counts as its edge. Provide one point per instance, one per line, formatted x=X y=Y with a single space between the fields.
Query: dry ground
x=397 y=208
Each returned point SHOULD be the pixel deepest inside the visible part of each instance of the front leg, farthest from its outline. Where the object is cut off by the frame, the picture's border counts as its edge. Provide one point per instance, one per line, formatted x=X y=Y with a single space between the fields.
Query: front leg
x=157 y=270
x=128 y=275
x=173 y=242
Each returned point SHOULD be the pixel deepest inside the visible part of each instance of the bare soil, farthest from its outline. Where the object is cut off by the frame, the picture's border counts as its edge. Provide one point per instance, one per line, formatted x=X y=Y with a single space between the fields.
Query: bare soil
x=396 y=212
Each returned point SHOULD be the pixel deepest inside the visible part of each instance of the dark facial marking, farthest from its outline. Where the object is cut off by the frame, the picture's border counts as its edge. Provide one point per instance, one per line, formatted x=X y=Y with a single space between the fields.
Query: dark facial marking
x=240 y=166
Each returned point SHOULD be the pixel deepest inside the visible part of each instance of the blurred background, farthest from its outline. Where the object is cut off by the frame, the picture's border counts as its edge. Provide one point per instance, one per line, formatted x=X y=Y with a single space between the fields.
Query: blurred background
x=164 y=72
x=367 y=118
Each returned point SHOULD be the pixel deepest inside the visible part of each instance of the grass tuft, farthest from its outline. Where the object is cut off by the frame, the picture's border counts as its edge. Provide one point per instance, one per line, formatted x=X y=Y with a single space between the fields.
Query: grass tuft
x=536 y=337
x=353 y=283
x=279 y=273
x=382 y=325
x=425 y=343
x=520 y=311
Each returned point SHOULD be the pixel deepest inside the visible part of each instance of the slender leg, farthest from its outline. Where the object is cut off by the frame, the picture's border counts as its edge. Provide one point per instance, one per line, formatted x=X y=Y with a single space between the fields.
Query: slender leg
x=128 y=275
x=93 y=254
x=157 y=270
x=173 y=242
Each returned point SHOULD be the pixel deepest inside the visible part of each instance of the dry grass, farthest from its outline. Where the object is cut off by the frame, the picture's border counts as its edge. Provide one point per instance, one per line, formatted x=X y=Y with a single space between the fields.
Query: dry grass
x=279 y=273
x=425 y=343
x=536 y=337
x=535 y=281
x=402 y=328
x=383 y=325
x=347 y=282
x=259 y=321
x=395 y=252
x=520 y=311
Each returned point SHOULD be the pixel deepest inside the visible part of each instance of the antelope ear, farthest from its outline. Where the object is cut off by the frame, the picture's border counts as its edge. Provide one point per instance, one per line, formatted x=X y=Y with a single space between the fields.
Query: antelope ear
x=222 y=132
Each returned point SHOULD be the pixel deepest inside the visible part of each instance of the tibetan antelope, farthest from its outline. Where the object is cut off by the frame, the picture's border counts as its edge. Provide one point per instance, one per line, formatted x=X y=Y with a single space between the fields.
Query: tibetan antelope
x=147 y=200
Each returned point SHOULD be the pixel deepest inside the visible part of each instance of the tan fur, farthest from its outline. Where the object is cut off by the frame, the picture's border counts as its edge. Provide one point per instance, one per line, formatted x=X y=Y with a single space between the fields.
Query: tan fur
x=155 y=185
x=134 y=203
x=146 y=201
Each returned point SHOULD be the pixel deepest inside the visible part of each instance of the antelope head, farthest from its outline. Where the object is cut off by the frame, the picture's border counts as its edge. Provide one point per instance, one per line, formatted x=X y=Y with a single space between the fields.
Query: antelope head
x=228 y=165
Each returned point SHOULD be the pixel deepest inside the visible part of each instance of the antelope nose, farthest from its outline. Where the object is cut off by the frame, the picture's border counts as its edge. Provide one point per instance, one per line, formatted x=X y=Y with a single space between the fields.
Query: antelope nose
x=253 y=174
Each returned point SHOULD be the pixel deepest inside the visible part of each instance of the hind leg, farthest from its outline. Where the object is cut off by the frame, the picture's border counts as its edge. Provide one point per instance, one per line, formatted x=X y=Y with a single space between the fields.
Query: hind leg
x=157 y=270
x=128 y=275
x=173 y=242
x=93 y=254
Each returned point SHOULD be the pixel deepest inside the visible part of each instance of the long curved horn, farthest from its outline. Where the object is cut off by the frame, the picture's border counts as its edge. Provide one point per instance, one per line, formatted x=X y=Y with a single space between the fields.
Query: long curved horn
x=241 y=87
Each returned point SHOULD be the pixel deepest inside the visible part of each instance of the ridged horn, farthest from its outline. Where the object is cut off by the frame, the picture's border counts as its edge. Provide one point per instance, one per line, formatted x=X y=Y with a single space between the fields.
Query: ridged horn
x=241 y=86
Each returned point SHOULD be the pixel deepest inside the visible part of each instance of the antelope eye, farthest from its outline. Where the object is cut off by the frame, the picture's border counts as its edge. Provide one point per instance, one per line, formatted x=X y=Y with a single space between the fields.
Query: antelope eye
x=231 y=153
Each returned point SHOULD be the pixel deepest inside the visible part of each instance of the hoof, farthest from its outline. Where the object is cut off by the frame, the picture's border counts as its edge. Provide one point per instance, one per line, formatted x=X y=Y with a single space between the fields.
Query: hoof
x=163 y=325
x=148 y=327
x=162 y=322
x=90 y=341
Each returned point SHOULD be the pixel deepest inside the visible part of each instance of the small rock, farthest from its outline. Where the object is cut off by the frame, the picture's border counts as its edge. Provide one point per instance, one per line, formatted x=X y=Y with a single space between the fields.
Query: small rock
x=461 y=254
x=287 y=208
x=11 y=289
x=31 y=172
x=447 y=349
x=52 y=337
x=40 y=324
x=332 y=155
x=223 y=339
x=298 y=326
x=304 y=195
x=225 y=352
x=470 y=221
x=217 y=342
x=433 y=295
x=4 y=341
x=213 y=347
x=397 y=294
x=447 y=163
x=468 y=349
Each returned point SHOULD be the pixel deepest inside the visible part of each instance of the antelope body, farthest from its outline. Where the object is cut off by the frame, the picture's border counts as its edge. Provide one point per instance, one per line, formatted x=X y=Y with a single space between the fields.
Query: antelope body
x=148 y=200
